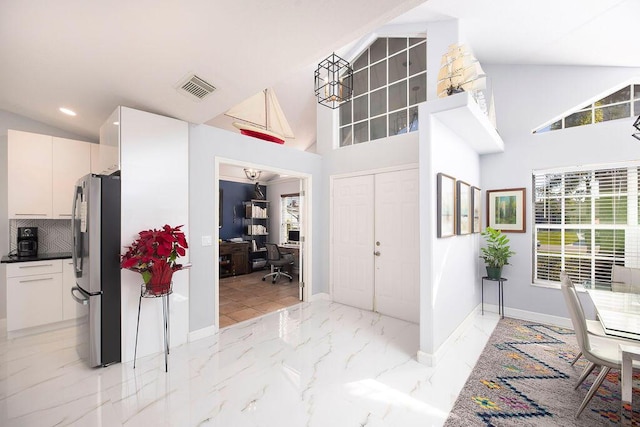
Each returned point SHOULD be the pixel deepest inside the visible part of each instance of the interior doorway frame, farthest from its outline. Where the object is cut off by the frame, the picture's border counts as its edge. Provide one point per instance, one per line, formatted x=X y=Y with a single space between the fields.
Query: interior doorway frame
x=306 y=270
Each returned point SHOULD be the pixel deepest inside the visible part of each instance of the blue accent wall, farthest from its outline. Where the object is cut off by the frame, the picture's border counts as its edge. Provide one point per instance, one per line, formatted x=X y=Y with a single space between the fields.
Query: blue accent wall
x=233 y=194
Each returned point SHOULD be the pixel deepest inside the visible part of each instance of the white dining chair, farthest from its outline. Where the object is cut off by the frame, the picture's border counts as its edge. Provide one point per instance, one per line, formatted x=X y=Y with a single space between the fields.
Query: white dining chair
x=605 y=355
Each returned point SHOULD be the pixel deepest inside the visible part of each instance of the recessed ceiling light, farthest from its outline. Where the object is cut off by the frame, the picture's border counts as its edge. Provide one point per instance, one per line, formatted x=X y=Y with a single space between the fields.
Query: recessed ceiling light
x=67 y=111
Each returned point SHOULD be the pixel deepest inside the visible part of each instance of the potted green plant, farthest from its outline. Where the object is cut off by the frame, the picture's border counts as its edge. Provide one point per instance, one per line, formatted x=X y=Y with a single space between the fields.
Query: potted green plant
x=154 y=254
x=497 y=252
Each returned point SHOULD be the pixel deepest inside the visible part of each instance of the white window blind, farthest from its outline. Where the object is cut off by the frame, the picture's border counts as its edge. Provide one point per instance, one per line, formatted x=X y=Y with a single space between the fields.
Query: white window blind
x=586 y=220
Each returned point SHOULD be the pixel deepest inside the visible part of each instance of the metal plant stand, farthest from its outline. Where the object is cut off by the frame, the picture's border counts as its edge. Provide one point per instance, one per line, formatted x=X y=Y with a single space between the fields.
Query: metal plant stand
x=145 y=292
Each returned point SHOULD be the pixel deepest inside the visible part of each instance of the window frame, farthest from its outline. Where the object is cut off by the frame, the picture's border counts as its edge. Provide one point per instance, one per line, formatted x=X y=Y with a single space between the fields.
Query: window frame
x=630 y=228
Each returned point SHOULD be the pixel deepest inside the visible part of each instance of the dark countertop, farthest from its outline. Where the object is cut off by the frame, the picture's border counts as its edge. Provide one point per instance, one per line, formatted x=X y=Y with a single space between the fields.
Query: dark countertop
x=40 y=257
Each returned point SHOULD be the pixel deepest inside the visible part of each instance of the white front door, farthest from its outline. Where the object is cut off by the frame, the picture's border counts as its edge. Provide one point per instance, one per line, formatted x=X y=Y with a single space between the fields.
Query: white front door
x=375 y=258
x=397 y=267
x=352 y=257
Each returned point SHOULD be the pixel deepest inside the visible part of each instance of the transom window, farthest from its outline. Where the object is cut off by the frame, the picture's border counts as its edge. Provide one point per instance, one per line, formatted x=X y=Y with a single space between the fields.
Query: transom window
x=389 y=80
x=621 y=104
x=586 y=220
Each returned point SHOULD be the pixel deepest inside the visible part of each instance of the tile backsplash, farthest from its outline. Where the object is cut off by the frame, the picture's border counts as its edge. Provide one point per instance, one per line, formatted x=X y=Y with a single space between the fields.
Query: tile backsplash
x=54 y=235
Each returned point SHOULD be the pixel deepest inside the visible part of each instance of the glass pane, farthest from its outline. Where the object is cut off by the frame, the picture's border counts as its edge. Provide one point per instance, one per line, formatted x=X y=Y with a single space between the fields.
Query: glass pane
x=346 y=136
x=636 y=91
x=379 y=128
x=378 y=75
x=623 y=94
x=417 y=59
x=398 y=95
x=577 y=242
x=578 y=268
x=610 y=243
x=611 y=181
x=418 y=86
x=398 y=67
x=578 y=119
x=611 y=210
x=416 y=40
x=378 y=103
x=577 y=210
x=361 y=82
x=345 y=113
x=398 y=122
x=361 y=133
x=612 y=112
x=413 y=119
x=636 y=108
x=360 y=108
x=548 y=268
x=396 y=45
x=549 y=241
x=378 y=50
x=362 y=61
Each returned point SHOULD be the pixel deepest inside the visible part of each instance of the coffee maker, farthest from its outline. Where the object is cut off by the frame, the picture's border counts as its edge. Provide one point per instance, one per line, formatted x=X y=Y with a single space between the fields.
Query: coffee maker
x=27 y=241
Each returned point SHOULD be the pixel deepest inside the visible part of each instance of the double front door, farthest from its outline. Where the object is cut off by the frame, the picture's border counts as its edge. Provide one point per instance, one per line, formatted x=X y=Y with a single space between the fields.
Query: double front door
x=375 y=257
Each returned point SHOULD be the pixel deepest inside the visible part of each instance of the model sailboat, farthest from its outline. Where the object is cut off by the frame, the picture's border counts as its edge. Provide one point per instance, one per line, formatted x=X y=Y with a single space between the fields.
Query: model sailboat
x=460 y=71
x=261 y=117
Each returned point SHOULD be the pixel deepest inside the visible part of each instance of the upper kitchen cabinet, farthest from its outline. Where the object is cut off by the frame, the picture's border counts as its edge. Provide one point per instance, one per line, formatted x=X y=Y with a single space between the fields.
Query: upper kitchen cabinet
x=71 y=161
x=29 y=175
x=109 y=156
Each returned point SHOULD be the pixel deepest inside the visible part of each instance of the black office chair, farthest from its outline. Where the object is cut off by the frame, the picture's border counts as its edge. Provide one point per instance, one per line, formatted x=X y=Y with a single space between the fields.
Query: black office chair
x=277 y=261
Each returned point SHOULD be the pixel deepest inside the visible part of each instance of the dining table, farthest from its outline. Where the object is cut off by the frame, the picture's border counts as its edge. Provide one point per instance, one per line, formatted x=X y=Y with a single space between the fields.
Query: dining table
x=619 y=314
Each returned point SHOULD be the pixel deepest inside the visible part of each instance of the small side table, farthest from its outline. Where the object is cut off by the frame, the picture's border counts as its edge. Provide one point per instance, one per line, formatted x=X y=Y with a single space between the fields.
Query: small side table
x=500 y=293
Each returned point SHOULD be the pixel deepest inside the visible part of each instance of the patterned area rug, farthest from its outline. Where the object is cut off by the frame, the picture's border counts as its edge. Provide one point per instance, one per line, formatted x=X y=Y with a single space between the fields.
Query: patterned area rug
x=524 y=377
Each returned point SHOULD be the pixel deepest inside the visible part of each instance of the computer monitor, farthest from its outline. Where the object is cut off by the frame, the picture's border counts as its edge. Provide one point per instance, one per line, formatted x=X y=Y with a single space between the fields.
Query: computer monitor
x=293 y=236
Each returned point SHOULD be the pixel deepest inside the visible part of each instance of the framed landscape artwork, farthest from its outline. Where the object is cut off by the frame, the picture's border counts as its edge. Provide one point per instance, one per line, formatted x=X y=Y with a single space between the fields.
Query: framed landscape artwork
x=476 y=209
x=446 y=205
x=506 y=209
x=463 y=208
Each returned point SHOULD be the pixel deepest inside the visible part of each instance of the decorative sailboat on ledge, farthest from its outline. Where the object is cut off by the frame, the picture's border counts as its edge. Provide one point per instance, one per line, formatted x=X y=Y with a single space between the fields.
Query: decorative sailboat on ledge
x=459 y=71
x=261 y=117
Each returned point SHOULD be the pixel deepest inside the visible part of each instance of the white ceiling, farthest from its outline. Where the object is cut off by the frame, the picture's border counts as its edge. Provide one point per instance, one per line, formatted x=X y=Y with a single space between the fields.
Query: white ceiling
x=91 y=56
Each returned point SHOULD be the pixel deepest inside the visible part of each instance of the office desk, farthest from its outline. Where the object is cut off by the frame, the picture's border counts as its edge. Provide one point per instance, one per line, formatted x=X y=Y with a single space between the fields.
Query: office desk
x=295 y=250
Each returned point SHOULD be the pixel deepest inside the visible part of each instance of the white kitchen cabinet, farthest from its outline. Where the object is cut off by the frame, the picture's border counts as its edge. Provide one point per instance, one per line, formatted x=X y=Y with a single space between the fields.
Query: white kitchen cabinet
x=69 y=306
x=29 y=175
x=71 y=161
x=34 y=293
x=109 y=159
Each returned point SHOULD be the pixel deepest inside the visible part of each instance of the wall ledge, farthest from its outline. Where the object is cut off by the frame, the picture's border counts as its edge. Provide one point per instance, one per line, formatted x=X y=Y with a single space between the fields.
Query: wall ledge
x=461 y=114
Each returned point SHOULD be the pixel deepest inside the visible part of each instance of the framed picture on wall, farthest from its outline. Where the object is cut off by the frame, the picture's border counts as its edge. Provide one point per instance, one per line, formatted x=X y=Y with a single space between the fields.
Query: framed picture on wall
x=506 y=210
x=476 y=209
x=446 y=205
x=463 y=208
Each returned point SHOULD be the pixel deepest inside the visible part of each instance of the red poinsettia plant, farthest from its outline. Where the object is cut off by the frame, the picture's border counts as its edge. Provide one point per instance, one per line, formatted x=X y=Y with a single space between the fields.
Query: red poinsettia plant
x=154 y=254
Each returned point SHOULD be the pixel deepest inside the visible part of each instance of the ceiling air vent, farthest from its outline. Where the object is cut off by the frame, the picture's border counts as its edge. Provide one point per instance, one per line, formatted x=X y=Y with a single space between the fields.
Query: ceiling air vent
x=194 y=87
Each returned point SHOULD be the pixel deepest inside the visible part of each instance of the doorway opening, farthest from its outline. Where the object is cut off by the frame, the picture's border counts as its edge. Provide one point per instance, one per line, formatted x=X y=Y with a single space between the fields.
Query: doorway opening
x=252 y=213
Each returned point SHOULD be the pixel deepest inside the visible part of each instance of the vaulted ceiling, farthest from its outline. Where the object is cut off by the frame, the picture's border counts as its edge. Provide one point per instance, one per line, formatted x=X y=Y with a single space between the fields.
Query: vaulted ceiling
x=91 y=56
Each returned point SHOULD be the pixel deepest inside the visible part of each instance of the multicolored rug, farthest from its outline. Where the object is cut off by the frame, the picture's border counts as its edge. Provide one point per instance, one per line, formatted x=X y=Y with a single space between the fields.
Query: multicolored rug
x=524 y=377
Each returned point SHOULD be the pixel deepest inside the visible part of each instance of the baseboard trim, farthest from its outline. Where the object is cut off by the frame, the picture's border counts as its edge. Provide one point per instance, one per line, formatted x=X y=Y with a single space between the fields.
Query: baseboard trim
x=432 y=359
x=322 y=296
x=531 y=316
x=202 y=333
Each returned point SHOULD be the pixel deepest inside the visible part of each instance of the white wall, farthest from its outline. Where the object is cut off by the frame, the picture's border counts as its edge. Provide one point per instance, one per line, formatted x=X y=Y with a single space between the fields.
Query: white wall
x=154 y=152
x=449 y=278
x=14 y=121
x=526 y=97
x=274 y=193
x=205 y=144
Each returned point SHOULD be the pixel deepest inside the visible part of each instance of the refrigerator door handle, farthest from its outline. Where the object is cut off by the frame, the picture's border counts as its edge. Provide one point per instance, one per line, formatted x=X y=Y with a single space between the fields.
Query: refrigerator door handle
x=83 y=301
x=75 y=232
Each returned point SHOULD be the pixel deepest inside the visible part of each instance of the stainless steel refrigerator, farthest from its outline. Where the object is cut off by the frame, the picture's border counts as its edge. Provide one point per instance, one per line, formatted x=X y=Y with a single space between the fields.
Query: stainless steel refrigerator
x=96 y=262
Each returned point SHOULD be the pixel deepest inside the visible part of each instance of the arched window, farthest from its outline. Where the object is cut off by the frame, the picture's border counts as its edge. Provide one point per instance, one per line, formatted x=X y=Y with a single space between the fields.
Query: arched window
x=389 y=80
x=621 y=104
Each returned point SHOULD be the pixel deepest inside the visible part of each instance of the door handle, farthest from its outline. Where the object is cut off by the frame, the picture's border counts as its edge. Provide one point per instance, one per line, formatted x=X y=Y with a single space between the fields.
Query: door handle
x=83 y=301
x=377 y=253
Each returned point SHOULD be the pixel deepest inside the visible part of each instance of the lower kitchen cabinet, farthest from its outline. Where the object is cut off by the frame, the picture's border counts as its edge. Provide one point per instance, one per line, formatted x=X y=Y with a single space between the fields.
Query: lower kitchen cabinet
x=34 y=294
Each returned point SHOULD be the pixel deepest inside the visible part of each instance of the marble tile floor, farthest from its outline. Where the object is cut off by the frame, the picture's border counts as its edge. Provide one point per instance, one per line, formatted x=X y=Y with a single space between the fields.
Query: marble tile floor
x=314 y=364
x=247 y=296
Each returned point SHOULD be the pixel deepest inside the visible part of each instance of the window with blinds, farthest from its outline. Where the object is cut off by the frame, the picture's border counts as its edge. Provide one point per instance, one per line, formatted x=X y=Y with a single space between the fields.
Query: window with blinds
x=586 y=220
x=290 y=215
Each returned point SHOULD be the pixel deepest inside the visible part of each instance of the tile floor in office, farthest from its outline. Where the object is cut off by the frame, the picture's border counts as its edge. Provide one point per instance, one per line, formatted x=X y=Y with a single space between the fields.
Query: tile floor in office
x=313 y=364
x=247 y=296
